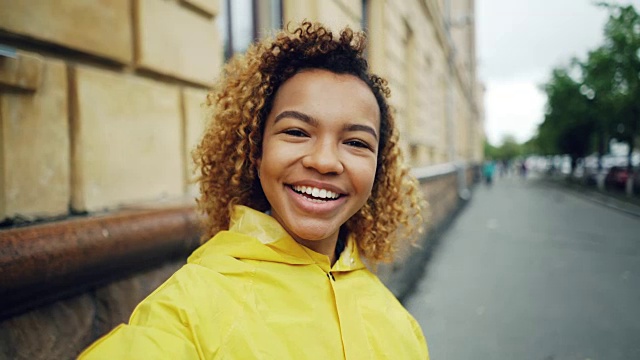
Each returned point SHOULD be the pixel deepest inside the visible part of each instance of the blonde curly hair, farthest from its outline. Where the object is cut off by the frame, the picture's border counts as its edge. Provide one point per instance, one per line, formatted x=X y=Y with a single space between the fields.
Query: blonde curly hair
x=226 y=158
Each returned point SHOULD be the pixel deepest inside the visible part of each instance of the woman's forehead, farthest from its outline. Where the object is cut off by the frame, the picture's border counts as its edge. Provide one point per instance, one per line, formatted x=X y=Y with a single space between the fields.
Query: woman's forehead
x=327 y=92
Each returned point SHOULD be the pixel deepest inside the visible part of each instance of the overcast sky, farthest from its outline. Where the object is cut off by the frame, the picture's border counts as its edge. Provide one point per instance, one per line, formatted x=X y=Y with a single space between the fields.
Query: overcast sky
x=519 y=43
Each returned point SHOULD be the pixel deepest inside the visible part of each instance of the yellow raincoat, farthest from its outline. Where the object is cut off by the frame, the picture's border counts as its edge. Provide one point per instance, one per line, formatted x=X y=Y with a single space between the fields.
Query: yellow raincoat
x=254 y=293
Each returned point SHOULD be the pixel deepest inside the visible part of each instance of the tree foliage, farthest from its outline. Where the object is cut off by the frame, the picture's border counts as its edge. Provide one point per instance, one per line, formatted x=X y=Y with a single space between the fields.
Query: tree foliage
x=603 y=100
x=508 y=150
x=622 y=45
x=567 y=127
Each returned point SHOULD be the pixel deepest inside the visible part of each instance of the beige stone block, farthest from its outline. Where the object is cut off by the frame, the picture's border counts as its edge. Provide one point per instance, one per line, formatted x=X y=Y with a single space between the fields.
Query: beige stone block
x=395 y=49
x=396 y=28
x=295 y=11
x=404 y=7
x=22 y=72
x=175 y=41
x=332 y=14
x=102 y=28
x=127 y=140
x=34 y=147
x=353 y=7
x=377 y=38
x=194 y=124
x=210 y=7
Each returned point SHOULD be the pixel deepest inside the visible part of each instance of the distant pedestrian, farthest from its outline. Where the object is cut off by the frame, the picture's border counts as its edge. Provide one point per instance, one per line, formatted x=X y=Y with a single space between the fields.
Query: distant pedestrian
x=503 y=167
x=488 y=170
x=523 y=169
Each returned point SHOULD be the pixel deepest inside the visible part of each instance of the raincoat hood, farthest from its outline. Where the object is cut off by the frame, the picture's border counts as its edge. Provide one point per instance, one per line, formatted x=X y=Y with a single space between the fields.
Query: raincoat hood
x=249 y=230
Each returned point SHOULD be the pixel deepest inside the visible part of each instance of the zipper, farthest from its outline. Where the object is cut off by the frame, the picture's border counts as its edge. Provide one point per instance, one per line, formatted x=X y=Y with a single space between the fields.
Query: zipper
x=330 y=276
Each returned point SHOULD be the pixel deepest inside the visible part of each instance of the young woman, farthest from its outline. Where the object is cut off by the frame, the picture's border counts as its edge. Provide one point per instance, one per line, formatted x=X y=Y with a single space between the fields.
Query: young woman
x=300 y=175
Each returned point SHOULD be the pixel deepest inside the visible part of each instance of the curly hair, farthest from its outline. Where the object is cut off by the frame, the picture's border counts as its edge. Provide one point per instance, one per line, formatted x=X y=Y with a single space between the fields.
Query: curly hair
x=239 y=104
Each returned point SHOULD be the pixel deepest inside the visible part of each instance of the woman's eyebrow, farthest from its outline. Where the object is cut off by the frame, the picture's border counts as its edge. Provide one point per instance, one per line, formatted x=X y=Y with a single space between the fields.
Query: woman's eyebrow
x=313 y=122
x=360 y=127
x=296 y=115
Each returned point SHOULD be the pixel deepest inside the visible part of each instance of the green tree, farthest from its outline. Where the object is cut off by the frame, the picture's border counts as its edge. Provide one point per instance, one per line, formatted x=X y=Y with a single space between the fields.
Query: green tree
x=490 y=151
x=530 y=147
x=568 y=126
x=598 y=87
x=510 y=148
x=604 y=102
x=622 y=45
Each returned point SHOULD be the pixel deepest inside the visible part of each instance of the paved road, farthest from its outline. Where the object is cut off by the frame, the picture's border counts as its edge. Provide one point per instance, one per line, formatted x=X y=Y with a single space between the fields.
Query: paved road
x=531 y=272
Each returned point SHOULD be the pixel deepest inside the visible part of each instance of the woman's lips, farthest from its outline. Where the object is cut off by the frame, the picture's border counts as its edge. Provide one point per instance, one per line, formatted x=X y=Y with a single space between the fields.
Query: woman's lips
x=315 y=205
x=315 y=192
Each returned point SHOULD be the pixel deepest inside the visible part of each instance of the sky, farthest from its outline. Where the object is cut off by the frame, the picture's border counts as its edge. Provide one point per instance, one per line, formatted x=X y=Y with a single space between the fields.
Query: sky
x=519 y=42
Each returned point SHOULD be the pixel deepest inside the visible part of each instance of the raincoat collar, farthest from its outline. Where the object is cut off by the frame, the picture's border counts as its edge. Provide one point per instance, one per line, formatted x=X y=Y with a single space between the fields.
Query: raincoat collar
x=254 y=235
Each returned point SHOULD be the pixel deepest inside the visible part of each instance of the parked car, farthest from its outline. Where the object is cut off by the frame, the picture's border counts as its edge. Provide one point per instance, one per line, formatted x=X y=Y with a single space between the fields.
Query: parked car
x=617 y=178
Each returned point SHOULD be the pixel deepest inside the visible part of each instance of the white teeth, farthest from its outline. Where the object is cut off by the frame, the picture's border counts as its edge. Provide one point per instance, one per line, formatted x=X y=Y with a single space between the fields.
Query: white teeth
x=316 y=192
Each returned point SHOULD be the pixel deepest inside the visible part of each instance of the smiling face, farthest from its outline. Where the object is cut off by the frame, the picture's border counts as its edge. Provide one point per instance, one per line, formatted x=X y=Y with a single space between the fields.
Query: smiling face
x=319 y=154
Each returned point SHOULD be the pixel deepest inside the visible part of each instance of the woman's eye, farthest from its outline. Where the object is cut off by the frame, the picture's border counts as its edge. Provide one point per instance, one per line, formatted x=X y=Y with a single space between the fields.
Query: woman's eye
x=358 y=144
x=295 y=132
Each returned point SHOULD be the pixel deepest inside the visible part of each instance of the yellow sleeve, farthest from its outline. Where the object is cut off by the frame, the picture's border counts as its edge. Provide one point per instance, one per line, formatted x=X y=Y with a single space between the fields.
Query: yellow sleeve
x=424 y=349
x=137 y=342
x=163 y=326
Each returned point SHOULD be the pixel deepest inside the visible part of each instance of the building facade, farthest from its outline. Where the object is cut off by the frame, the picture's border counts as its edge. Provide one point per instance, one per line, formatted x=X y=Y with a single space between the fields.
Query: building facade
x=100 y=101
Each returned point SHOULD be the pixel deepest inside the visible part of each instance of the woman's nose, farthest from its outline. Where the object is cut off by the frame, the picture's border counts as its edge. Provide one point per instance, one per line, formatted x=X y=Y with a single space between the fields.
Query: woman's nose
x=324 y=158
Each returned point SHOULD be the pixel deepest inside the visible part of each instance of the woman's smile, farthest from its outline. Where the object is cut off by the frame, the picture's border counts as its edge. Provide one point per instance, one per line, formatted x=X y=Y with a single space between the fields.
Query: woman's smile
x=315 y=193
x=316 y=200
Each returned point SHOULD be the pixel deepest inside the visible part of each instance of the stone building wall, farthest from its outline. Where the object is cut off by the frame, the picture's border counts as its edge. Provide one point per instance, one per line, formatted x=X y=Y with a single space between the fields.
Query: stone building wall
x=100 y=104
x=62 y=329
x=431 y=72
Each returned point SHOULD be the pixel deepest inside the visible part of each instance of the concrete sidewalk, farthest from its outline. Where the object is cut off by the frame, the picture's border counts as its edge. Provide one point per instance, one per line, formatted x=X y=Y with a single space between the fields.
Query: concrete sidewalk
x=530 y=270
